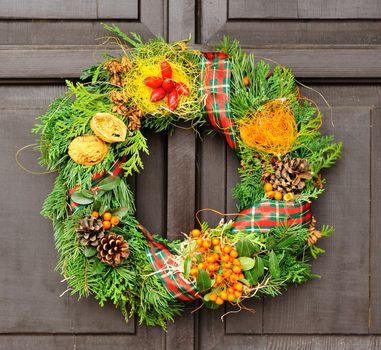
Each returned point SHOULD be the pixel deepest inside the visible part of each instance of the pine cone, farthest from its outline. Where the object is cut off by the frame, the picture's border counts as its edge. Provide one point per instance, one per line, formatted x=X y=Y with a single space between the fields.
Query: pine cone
x=112 y=249
x=314 y=234
x=90 y=231
x=287 y=175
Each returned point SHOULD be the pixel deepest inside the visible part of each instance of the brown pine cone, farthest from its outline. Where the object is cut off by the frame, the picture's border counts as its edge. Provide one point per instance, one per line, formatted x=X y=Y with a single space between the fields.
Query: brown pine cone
x=90 y=231
x=314 y=234
x=112 y=249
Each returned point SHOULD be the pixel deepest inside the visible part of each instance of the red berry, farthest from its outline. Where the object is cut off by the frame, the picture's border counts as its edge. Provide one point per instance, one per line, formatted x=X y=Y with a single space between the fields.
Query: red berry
x=173 y=100
x=182 y=89
x=168 y=85
x=153 y=82
x=166 y=70
x=158 y=94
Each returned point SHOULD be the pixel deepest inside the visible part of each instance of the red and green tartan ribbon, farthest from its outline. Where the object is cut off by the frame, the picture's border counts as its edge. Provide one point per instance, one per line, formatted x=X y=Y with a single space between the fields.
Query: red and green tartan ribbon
x=215 y=90
x=159 y=256
x=162 y=260
x=264 y=215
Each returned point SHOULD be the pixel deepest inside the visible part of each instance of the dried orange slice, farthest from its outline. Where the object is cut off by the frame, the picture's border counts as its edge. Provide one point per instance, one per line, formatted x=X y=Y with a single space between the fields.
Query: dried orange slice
x=108 y=127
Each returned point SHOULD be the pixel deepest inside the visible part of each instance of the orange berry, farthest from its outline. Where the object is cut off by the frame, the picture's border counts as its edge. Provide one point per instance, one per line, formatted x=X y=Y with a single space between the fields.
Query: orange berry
x=231 y=290
x=237 y=293
x=212 y=296
x=228 y=265
x=237 y=269
x=268 y=187
x=210 y=258
x=246 y=81
x=236 y=262
x=107 y=216
x=207 y=243
x=227 y=272
x=288 y=197
x=201 y=249
x=233 y=278
x=231 y=296
x=223 y=295
x=219 y=279
x=201 y=266
x=278 y=196
x=194 y=271
x=234 y=253
x=115 y=220
x=106 y=224
x=211 y=267
x=196 y=233
x=95 y=214
x=225 y=258
x=238 y=286
x=199 y=242
x=215 y=241
x=270 y=194
x=227 y=249
x=216 y=266
x=216 y=256
x=219 y=301
x=241 y=276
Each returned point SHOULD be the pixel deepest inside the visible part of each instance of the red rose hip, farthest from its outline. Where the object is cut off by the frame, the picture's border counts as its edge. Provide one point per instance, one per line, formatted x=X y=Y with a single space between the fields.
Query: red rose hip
x=158 y=94
x=173 y=100
x=153 y=82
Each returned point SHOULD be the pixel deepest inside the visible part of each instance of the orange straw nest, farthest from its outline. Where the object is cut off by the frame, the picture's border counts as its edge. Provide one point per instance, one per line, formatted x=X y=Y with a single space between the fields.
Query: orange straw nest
x=271 y=129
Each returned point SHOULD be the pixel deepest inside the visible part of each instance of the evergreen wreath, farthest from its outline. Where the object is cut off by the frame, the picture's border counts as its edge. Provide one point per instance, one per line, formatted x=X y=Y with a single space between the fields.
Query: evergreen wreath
x=93 y=137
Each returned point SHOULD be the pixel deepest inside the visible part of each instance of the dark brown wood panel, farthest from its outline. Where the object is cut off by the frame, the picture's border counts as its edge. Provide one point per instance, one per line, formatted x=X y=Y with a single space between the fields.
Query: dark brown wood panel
x=375 y=233
x=306 y=9
x=327 y=304
x=181 y=203
x=69 y=9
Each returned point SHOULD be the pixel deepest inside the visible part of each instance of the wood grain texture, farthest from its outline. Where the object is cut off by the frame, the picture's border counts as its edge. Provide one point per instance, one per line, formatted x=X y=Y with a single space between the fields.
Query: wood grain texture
x=181 y=19
x=73 y=32
x=69 y=9
x=375 y=229
x=276 y=33
x=306 y=9
x=38 y=62
x=213 y=17
x=181 y=190
x=151 y=193
x=327 y=305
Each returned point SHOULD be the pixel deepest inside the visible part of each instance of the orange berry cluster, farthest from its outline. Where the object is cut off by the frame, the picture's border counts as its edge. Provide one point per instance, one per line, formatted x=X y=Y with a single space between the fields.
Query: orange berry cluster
x=108 y=220
x=271 y=194
x=221 y=261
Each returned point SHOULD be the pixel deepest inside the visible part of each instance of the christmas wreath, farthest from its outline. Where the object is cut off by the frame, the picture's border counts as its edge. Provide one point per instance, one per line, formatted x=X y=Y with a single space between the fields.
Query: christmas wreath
x=94 y=137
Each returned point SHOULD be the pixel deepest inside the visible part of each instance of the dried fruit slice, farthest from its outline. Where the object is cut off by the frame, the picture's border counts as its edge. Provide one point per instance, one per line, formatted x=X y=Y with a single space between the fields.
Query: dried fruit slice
x=87 y=150
x=108 y=127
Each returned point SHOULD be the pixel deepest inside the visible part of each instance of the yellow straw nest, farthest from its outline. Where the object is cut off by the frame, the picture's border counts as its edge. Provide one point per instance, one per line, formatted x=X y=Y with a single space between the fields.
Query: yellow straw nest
x=271 y=129
x=140 y=94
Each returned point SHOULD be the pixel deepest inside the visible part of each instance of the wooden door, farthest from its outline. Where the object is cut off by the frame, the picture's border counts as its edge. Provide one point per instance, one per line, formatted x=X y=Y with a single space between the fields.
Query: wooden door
x=333 y=47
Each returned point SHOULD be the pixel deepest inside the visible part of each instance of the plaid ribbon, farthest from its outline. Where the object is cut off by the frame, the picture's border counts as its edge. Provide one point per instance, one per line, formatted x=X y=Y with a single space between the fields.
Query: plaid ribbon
x=263 y=215
x=215 y=90
x=160 y=257
x=162 y=260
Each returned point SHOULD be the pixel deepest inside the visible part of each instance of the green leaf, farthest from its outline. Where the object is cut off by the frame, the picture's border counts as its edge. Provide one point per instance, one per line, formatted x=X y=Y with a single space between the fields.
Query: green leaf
x=245 y=247
x=259 y=266
x=109 y=183
x=244 y=281
x=247 y=263
x=187 y=266
x=97 y=204
x=211 y=305
x=79 y=198
x=120 y=212
x=89 y=251
x=98 y=267
x=251 y=276
x=274 y=265
x=87 y=194
x=204 y=282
